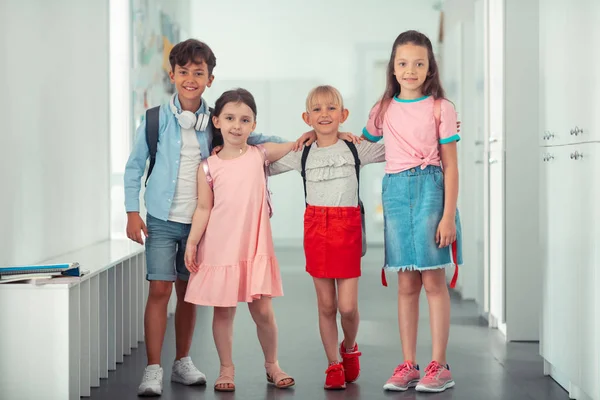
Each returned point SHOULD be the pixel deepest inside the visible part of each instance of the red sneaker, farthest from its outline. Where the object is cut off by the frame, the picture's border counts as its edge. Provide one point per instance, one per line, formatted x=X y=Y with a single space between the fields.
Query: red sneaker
x=351 y=362
x=335 y=377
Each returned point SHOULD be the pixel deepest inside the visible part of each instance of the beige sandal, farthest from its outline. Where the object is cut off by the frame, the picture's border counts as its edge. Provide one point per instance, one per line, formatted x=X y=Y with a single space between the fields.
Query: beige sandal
x=278 y=376
x=226 y=375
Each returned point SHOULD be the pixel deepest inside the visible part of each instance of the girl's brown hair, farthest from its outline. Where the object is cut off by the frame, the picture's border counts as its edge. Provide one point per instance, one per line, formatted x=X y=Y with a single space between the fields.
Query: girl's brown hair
x=432 y=85
x=231 y=96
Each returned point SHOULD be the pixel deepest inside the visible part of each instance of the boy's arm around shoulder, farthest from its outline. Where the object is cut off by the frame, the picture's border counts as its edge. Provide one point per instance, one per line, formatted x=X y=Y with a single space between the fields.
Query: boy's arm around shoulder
x=307 y=138
x=134 y=170
x=259 y=138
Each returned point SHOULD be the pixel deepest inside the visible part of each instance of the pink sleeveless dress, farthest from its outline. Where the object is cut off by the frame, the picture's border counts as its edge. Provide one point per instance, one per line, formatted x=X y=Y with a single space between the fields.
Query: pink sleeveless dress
x=236 y=257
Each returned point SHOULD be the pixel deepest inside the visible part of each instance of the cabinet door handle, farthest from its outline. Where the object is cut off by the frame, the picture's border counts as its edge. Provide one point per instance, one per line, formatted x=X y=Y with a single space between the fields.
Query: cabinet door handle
x=547 y=135
x=576 y=131
x=576 y=155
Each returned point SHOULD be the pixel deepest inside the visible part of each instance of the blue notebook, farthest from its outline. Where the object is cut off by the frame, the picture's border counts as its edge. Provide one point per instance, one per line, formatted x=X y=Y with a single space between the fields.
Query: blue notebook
x=67 y=269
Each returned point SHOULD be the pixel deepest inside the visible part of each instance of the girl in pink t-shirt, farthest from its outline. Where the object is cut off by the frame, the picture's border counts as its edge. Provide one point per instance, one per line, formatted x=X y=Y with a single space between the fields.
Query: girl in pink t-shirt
x=422 y=225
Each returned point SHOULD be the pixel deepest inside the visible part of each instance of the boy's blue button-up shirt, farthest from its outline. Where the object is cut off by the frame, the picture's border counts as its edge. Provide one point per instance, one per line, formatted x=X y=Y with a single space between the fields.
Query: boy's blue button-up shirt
x=161 y=184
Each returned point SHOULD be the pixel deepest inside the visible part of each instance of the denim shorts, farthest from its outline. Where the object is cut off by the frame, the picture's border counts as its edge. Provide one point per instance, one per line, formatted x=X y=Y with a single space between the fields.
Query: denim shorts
x=413 y=205
x=165 y=250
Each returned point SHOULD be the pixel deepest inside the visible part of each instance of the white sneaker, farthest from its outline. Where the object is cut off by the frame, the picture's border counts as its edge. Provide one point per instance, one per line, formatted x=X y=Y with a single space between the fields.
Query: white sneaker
x=184 y=371
x=152 y=381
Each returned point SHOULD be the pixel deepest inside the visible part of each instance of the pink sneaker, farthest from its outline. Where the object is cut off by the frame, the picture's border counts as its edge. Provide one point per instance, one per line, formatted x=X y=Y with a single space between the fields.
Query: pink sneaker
x=437 y=378
x=405 y=376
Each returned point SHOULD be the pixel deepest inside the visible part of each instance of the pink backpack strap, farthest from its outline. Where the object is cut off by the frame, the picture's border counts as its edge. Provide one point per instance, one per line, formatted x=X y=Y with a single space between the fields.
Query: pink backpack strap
x=437 y=113
x=264 y=153
x=209 y=178
x=266 y=166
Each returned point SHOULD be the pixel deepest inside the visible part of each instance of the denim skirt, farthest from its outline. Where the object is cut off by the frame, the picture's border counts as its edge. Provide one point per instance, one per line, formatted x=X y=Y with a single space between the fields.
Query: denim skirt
x=413 y=205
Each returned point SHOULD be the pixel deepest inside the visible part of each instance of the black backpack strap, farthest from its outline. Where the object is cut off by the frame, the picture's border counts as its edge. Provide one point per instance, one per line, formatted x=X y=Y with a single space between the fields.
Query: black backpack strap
x=303 y=168
x=152 y=124
x=354 y=151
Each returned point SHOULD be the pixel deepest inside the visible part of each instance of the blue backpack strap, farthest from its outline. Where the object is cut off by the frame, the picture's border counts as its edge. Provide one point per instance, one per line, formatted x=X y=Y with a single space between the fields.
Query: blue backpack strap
x=152 y=124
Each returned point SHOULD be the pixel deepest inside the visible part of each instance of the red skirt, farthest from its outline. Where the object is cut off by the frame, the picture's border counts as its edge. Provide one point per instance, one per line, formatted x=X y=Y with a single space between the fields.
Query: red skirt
x=332 y=242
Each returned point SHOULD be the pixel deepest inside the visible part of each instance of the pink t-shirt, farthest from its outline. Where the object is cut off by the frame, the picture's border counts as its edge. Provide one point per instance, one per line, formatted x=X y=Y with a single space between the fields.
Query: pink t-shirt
x=410 y=132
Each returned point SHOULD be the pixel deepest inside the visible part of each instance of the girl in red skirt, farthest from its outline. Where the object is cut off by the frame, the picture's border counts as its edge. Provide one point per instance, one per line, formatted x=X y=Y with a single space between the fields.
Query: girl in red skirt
x=333 y=238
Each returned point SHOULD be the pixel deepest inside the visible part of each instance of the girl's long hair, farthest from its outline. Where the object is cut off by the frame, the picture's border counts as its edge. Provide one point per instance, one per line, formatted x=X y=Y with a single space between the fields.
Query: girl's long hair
x=432 y=85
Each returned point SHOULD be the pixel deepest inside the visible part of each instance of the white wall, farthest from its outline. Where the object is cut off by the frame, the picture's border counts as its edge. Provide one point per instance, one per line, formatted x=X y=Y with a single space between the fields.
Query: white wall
x=523 y=270
x=54 y=157
x=137 y=82
x=280 y=50
x=462 y=74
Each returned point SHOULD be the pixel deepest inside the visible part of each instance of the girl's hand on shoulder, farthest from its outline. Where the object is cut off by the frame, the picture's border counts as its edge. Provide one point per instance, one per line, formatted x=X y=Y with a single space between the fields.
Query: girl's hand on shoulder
x=446 y=232
x=348 y=137
x=190 y=258
x=306 y=139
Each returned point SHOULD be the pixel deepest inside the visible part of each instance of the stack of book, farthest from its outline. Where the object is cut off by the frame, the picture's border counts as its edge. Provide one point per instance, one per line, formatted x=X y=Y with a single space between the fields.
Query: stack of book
x=39 y=273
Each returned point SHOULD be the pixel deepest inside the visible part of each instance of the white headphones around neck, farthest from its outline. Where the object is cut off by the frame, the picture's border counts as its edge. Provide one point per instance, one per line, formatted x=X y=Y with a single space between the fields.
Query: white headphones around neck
x=187 y=119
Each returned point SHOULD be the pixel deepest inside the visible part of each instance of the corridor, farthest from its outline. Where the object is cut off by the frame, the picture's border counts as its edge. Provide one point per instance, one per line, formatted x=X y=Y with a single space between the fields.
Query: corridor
x=483 y=367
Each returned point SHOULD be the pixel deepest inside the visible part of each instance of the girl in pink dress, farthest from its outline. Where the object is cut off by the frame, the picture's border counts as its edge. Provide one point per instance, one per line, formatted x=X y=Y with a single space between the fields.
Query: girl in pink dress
x=230 y=250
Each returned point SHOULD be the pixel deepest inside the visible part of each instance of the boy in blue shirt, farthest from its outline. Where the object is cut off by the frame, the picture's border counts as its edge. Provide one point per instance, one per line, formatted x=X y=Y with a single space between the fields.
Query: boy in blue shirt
x=184 y=138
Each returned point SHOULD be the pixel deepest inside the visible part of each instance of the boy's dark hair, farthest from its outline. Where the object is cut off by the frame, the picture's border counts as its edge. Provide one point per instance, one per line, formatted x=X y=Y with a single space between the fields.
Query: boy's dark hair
x=231 y=96
x=192 y=50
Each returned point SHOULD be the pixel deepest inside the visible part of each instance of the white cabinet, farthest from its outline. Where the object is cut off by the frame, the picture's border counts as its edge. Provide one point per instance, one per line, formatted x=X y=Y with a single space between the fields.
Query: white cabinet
x=586 y=234
x=570 y=318
x=553 y=35
x=569 y=190
x=567 y=29
x=570 y=170
x=560 y=293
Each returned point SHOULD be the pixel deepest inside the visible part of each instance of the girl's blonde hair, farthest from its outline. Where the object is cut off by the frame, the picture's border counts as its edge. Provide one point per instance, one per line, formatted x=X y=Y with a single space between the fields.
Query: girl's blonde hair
x=327 y=91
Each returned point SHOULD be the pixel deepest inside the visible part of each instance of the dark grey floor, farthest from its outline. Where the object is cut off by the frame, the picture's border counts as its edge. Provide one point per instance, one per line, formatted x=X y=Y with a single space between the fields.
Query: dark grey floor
x=483 y=366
